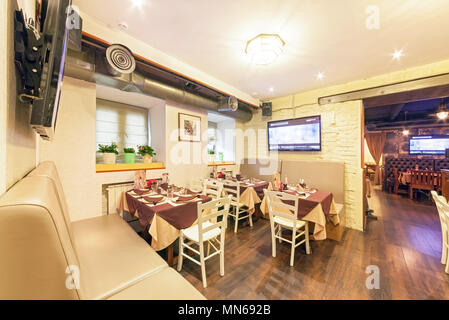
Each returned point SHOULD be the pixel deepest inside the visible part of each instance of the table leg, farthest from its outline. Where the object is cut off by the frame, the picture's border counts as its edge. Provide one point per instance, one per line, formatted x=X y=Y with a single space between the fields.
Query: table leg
x=171 y=259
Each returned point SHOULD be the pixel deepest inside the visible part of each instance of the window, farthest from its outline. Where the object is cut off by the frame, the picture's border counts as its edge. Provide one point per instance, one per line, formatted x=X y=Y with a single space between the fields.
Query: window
x=221 y=138
x=212 y=136
x=124 y=124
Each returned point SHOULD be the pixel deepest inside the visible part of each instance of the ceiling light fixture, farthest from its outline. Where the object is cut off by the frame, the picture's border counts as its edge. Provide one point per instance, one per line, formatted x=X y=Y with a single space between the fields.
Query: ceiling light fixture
x=138 y=3
x=397 y=55
x=406 y=132
x=265 y=48
x=320 y=76
x=442 y=112
x=271 y=89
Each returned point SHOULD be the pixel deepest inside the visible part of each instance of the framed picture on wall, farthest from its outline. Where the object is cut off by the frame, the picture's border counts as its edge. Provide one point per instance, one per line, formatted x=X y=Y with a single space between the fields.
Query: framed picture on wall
x=189 y=128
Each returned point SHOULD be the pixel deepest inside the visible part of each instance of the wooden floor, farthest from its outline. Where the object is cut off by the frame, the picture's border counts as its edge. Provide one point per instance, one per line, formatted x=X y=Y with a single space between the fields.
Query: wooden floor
x=405 y=243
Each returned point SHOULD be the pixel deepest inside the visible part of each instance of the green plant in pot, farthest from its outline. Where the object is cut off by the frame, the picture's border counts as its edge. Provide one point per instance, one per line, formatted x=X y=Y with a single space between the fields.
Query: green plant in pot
x=211 y=154
x=130 y=155
x=147 y=153
x=109 y=152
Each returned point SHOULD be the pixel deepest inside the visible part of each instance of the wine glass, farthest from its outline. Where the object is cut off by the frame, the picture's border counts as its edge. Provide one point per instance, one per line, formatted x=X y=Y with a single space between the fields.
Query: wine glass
x=170 y=191
x=154 y=187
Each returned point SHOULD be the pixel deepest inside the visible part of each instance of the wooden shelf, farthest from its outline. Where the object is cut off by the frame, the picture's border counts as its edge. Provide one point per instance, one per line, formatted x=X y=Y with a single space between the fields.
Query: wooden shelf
x=103 y=168
x=222 y=163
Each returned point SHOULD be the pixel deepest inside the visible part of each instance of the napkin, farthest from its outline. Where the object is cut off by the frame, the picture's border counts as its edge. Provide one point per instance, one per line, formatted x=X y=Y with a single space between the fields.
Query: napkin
x=153 y=200
x=186 y=198
x=141 y=191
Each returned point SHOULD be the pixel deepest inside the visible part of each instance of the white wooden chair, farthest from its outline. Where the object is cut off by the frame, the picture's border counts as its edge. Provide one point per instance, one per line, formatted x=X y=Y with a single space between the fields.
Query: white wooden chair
x=212 y=188
x=233 y=189
x=283 y=215
x=207 y=230
x=443 y=214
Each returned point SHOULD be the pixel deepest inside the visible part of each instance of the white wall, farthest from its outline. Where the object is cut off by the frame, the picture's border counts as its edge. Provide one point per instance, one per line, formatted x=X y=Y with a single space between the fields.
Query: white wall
x=73 y=148
x=185 y=160
x=3 y=94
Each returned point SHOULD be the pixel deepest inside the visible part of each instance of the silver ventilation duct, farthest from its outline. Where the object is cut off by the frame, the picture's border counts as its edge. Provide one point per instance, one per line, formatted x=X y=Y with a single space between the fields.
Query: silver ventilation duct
x=116 y=70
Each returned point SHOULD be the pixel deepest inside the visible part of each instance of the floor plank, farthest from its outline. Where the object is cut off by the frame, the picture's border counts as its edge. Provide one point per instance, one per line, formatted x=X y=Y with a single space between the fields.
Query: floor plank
x=405 y=243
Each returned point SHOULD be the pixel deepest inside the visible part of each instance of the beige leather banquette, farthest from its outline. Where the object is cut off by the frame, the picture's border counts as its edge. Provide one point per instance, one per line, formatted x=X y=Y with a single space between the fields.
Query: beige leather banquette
x=323 y=175
x=260 y=168
x=43 y=252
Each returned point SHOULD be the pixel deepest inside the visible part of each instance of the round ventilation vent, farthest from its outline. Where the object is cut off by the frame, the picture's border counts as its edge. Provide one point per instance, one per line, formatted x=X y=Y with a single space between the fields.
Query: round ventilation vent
x=120 y=59
x=228 y=104
x=233 y=103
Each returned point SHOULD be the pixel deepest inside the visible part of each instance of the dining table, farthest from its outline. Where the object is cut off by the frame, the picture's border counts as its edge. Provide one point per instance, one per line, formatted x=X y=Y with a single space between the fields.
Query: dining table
x=314 y=206
x=163 y=217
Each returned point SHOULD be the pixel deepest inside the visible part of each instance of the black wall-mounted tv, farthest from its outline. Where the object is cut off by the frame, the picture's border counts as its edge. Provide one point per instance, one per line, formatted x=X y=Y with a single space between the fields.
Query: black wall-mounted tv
x=301 y=134
x=55 y=34
x=429 y=145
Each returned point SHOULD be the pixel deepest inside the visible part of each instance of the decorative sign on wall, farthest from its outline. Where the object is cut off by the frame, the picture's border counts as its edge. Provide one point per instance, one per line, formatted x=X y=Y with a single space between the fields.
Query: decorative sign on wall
x=189 y=128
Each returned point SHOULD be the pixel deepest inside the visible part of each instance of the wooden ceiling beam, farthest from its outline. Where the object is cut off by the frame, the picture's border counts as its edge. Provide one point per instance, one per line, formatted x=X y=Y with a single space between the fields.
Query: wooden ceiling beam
x=395 y=110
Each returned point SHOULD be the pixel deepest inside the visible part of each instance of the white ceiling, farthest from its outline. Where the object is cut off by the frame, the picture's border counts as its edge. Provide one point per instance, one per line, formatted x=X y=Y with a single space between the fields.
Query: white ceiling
x=328 y=36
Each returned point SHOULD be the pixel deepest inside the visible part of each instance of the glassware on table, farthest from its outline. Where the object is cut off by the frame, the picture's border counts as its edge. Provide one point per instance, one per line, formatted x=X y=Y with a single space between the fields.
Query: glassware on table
x=170 y=192
x=154 y=187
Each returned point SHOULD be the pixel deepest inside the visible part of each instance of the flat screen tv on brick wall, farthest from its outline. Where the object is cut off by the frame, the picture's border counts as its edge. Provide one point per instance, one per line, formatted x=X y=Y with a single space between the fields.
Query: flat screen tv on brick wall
x=302 y=134
x=429 y=145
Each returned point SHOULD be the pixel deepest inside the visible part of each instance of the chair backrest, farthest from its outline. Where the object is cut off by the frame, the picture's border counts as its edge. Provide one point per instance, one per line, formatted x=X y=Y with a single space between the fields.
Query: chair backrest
x=212 y=188
x=211 y=211
x=232 y=188
x=439 y=202
x=277 y=205
x=425 y=179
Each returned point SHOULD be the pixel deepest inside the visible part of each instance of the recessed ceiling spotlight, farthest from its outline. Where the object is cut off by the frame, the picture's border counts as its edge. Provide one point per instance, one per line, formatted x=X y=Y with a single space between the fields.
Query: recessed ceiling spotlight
x=138 y=3
x=406 y=132
x=271 y=89
x=397 y=55
x=265 y=48
x=320 y=76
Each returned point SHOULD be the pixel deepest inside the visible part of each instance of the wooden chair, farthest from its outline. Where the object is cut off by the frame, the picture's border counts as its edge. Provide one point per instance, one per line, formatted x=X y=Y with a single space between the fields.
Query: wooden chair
x=424 y=180
x=233 y=189
x=398 y=187
x=283 y=215
x=212 y=188
x=206 y=231
x=443 y=212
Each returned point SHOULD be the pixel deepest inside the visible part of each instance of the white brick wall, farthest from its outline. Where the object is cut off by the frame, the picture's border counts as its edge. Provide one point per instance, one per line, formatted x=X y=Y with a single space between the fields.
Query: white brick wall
x=341 y=141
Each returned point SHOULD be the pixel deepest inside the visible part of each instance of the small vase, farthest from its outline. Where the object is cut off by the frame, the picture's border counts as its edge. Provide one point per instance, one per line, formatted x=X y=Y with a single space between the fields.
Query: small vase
x=147 y=159
x=130 y=158
x=211 y=158
x=109 y=158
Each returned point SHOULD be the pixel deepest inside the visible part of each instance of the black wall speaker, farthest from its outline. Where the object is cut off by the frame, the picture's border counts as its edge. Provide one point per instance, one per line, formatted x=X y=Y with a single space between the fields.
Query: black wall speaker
x=267 y=109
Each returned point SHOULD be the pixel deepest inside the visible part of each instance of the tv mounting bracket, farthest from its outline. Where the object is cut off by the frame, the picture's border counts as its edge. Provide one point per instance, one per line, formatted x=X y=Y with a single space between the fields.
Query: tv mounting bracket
x=28 y=50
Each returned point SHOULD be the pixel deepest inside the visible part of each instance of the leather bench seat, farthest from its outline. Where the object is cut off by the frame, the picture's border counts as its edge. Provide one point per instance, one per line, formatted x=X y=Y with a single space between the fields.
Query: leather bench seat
x=166 y=284
x=40 y=247
x=112 y=256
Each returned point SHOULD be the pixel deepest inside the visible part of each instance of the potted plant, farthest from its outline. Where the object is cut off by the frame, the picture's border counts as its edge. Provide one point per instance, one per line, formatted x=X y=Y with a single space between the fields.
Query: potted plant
x=211 y=154
x=109 y=152
x=130 y=155
x=147 y=153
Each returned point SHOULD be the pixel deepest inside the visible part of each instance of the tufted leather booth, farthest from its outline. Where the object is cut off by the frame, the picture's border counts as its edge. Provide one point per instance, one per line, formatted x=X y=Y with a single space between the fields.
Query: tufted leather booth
x=403 y=164
x=43 y=251
x=441 y=164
